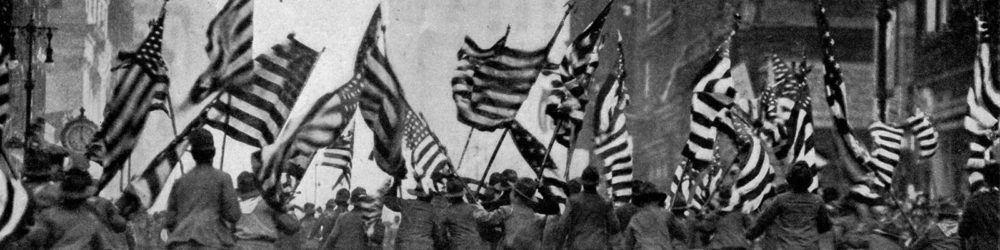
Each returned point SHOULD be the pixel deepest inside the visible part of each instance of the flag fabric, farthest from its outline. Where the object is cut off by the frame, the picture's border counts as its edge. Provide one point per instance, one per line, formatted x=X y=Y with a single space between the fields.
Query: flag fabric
x=888 y=143
x=754 y=183
x=382 y=103
x=926 y=137
x=574 y=75
x=713 y=90
x=5 y=87
x=534 y=152
x=253 y=113
x=143 y=190
x=981 y=120
x=339 y=155
x=427 y=155
x=141 y=75
x=319 y=128
x=230 y=38
x=491 y=84
x=680 y=184
x=13 y=203
x=835 y=94
x=612 y=142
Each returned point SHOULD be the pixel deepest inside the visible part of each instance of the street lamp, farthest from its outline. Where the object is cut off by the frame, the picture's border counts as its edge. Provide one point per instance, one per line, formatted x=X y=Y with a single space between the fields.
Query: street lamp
x=30 y=32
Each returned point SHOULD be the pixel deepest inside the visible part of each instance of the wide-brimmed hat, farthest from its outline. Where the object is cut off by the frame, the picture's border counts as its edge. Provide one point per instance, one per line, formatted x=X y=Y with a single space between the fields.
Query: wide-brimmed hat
x=590 y=177
x=510 y=174
x=646 y=192
x=525 y=188
x=359 y=194
x=454 y=189
x=77 y=185
x=418 y=191
x=201 y=140
x=343 y=196
x=499 y=182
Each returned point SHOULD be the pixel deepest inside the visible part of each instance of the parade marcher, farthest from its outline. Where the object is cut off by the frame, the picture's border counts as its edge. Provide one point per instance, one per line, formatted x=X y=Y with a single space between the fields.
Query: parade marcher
x=653 y=227
x=202 y=204
x=727 y=226
x=589 y=219
x=351 y=230
x=497 y=195
x=523 y=228
x=260 y=225
x=794 y=219
x=457 y=221
x=418 y=225
x=308 y=223
x=69 y=225
x=334 y=208
x=943 y=234
x=980 y=224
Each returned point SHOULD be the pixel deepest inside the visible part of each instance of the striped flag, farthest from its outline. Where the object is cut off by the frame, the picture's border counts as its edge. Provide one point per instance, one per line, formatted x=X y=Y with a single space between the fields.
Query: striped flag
x=141 y=76
x=427 y=155
x=382 y=103
x=924 y=133
x=713 y=90
x=574 y=75
x=319 y=128
x=612 y=142
x=491 y=84
x=339 y=155
x=802 y=147
x=230 y=38
x=5 y=85
x=981 y=122
x=886 y=154
x=143 y=190
x=534 y=152
x=254 y=113
x=754 y=183
x=13 y=203
x=835 y=98
x=680 y=184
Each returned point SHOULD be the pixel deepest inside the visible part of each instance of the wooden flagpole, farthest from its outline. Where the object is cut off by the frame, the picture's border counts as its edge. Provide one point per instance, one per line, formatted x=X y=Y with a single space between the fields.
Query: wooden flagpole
x=466 y=148
x=492 y=158
x=222 y=158
x=173 y=125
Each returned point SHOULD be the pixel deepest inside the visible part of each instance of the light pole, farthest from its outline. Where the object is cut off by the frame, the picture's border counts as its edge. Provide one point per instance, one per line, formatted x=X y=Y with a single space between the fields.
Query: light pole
x=30 y=32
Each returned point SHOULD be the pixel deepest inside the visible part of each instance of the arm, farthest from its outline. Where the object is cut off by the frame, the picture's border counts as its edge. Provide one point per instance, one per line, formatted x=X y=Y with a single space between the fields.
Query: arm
x=117 y=223
x=764 y=220
x=823 y=223
x=495 y=217
x=38 y=237
x=170 y=216
x=613 y=224
x=230 y=205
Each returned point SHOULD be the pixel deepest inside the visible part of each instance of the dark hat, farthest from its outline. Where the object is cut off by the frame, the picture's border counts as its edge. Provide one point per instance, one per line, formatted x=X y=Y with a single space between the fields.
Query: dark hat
x=77 y=185
x=418 y=191
x=510 y=174
x=454 y=189
x=949 y=209
x=646 y=192
x=201 y=140
x=79 y=161
x=526 y=187
x=343 y=196
x=360 y=195
x=246 y=182
x=331 y=203
x=590 y=177
x=499 y=182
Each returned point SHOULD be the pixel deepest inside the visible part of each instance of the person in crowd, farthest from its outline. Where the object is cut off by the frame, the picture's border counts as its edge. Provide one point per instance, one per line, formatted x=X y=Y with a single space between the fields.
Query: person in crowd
x=260 y=224
x=334 y=208
x=418 y=229
x=308 y=223
x=71 y=224
x=523 y=228
x=589 y=220
x=457 y=221
x=794 y=219
x=680 y=212
x=831 y=198
x=202 y=204
x=498 y=194
x=652 y=227
x=980 y=224
x=351 y=230
x=726 y=226
x=943 y=234
x=876 y=237
x=624 y=212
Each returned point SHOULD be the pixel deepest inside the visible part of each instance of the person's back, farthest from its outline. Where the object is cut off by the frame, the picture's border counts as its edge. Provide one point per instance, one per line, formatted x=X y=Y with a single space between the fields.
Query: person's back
x=68 y=228
x=728 y=230
x=796 y=218
x=980 y=225
x=416 y=228
x=590 y=221
x=349 y=232
x=460 y=227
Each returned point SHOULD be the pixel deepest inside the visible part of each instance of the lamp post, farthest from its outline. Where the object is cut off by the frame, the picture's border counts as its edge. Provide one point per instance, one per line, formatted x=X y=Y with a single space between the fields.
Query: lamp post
x=30 y=31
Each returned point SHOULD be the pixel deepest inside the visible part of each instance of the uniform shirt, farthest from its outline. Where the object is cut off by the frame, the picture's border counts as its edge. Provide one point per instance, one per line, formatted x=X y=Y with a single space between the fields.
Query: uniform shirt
x=728 y=229
x=349 y=233
x=523 y=228
x=652 y=228
x=201 y=207
x=793 y=221
x=459 y=227
x=67 y=228
x=418 y=224
x=589 y=222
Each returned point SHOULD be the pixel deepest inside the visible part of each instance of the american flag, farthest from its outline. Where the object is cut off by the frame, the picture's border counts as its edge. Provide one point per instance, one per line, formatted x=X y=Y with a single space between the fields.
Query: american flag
x=382 y=103
x=141 y=76
x=566 y=101
x=5 y=67
x=926 y=136
x=713 y=90
x=492 y=83
x=230 y=38
x=144 y=189
x=680 y=184
x=253 y=113
x=612 y=142
x=339 y=155
x=13 y=202
x=886 y=154
x=534 y=152
x=982 y=102
x=427 y=155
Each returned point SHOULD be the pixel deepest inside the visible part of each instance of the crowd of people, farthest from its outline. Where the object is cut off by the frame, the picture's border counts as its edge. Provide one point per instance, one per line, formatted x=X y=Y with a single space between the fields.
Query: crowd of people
x=206 y=211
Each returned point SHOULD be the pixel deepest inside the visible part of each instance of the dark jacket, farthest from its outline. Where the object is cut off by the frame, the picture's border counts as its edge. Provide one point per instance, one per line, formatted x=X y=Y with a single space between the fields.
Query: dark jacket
x=940 y=236
x=652 y=228
x=202 y=208
x=589 y=222
x=349 y=233
x=459 y=227
x=329 y=218
x=728 y=229
x=67 y=228
x=523 y=228
x=980 y=225
x=418 y=227
x=793 y=221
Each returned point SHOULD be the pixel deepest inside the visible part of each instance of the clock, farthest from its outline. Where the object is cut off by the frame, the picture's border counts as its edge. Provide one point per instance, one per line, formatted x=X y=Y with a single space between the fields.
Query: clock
x=77 y=133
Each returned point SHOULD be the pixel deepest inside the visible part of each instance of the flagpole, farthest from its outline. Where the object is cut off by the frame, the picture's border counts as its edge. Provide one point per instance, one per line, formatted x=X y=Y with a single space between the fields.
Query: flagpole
x=492 y=158
x=466 y=148
x=222 y=158
x=173 y=124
